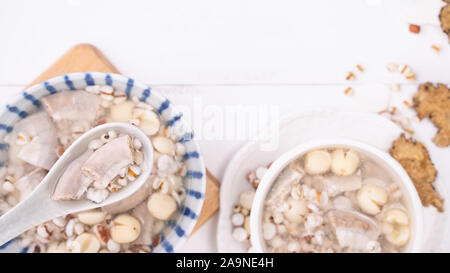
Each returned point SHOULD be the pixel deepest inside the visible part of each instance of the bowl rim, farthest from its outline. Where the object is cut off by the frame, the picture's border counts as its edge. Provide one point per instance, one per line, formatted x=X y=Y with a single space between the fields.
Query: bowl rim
x=100 y=78
x=281 y=162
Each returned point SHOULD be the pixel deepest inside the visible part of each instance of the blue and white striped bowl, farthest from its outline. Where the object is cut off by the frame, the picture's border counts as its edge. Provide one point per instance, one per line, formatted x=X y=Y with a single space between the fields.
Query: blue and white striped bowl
x=182 y=224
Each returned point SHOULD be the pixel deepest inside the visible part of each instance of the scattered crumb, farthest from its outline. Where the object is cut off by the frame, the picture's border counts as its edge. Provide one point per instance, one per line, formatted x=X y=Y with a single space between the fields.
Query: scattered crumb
x=409 y=131
x=350 y=76
x=444 y=17
x=434 y=102
x=393 y=110
x=382 y=112
x=252 y=179
x=403 y=123
x=391 y=67
x=349 y=91
x=410 y=76
x=404 y=68
x=414 y=28
x=394 y=115
x=414 y=158
x=436 y=48
x=360 y=67
x=395 y=87
x=407 y=103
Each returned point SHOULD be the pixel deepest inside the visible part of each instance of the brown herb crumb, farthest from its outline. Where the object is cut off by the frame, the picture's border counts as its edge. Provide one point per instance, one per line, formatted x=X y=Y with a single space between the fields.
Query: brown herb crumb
x=350 y=76
x=360 y=67
x=349 y=91
x=410 y=76
x=414 y=28
x=436 y=48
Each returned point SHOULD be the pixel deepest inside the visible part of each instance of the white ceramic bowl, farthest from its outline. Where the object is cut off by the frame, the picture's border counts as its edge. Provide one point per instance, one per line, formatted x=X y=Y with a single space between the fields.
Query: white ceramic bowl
x=410 y=195
x=180 y=226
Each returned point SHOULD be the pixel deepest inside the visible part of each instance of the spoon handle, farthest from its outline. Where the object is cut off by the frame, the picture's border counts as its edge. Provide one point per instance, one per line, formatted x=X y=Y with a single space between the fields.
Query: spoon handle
x=33 y=210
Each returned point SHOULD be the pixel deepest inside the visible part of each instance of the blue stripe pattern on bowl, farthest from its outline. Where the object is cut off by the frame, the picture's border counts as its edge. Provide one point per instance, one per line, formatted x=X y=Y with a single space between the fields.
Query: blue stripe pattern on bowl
x=178 y=229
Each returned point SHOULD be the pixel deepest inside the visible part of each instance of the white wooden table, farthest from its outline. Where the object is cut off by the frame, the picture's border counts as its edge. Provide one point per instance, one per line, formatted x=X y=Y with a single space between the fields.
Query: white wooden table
x=210 y=55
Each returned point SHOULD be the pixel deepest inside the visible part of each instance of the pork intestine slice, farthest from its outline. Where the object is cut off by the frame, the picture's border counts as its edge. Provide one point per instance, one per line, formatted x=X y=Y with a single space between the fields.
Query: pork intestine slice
x=41 y=148
x=353 y=229
x=107 y=161
x=69 y=105
x=335 y=185
x=282 y=186
x=73 y=112
x=73 y=183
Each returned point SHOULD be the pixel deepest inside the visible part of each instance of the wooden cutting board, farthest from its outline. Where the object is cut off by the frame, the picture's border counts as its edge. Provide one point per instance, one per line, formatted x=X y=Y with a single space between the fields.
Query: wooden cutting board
x=87 y=58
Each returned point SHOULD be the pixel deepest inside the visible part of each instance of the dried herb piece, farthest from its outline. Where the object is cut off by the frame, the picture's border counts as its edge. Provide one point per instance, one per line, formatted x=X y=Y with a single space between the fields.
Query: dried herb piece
x=434 y=102
x=414 y=158
x=444 y=17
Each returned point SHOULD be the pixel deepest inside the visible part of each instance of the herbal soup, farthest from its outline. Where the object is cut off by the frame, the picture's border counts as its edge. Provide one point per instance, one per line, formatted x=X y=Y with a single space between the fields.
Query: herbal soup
x=335 y=200
x=110 y=163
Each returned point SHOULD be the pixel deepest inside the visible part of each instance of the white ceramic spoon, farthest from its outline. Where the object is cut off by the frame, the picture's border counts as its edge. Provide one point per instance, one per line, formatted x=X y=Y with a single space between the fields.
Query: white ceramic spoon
x=39 y=207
